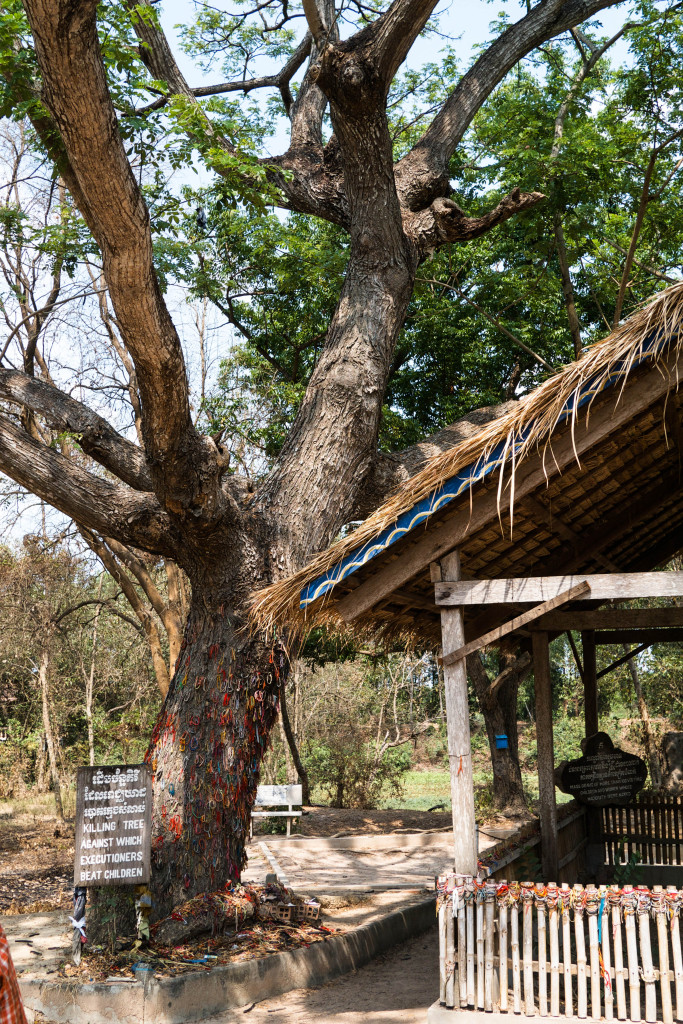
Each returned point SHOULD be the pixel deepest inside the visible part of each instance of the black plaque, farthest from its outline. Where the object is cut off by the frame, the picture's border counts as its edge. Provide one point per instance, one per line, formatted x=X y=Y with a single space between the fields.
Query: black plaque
x=113 y=825
x=604 y=775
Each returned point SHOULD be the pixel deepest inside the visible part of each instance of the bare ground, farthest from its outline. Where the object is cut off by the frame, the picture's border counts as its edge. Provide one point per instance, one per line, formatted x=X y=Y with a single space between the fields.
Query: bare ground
x=395 y=988
x=36 y=863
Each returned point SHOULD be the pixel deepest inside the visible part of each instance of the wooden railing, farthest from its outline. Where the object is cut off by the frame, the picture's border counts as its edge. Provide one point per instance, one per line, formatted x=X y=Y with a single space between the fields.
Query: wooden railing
x=515 y=855
x=651 y=827
x=560 y=950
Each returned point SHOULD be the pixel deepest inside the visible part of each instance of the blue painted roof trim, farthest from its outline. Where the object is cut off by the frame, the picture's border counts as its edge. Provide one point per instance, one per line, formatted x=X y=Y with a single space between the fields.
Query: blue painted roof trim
x=454 y=487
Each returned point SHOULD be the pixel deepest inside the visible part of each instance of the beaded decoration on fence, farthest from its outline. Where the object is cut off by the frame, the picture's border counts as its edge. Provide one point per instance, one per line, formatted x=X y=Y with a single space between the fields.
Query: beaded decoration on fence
x=461 y=891
x=616 y=961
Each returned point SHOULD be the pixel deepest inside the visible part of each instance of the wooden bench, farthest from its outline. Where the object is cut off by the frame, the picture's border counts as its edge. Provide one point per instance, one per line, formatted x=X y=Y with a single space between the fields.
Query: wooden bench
x=277 y=796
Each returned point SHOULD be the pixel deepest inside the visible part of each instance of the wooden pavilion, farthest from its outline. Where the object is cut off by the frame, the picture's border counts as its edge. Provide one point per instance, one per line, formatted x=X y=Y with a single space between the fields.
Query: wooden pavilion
x=569 y=500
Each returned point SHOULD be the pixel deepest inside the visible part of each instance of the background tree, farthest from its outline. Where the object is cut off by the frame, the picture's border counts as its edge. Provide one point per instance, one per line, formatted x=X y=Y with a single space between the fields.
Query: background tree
x=76 y=684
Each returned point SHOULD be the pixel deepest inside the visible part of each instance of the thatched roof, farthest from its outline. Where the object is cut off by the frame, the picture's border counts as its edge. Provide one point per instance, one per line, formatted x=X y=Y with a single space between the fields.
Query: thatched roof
x=650 y=336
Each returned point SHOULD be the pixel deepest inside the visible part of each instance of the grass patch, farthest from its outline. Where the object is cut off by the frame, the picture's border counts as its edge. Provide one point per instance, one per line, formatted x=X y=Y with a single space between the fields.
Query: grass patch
x=39 y=805
x=421 y=790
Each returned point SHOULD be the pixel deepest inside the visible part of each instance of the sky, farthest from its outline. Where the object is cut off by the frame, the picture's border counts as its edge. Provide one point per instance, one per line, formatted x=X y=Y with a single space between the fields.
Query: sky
x=466 y=21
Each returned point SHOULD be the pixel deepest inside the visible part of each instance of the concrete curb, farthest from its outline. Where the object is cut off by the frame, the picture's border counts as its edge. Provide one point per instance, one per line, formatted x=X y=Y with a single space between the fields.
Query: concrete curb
x=196 y=996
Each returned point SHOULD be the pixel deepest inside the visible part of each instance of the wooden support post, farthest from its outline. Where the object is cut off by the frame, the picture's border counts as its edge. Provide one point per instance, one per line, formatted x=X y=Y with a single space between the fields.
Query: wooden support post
x=458 y=730
x=546 y=757
x=590 y=683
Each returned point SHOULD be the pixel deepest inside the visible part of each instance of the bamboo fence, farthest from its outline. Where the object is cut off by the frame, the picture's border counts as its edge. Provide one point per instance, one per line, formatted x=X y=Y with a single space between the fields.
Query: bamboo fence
x=607 y=952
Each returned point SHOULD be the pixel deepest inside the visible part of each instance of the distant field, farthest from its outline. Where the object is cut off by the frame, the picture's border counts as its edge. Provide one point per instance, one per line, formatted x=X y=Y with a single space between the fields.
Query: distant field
x=422 y=790
x=425 y=788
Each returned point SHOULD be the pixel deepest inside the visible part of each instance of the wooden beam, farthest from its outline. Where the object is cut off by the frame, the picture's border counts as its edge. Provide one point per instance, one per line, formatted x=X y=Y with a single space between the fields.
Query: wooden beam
x=590 y=683
x=609 y=618
x=674 y=430
x=546 y=756
x=613 y=586
x=607 y=416
x=412 y=600
x=623 y=660
x=640 y=636
x=557 y=525
x=581 y=590
x=577 y=659
x=458 y=732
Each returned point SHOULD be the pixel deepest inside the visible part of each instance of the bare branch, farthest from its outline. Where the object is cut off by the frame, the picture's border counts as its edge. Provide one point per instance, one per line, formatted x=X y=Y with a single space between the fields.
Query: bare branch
x=147 y=622
x=246 y=85
x=494 y=321
x=655 y=153
x=444 y=221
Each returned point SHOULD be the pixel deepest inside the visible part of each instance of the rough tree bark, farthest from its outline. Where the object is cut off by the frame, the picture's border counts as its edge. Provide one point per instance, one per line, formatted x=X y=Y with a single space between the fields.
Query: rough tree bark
x=170 y=495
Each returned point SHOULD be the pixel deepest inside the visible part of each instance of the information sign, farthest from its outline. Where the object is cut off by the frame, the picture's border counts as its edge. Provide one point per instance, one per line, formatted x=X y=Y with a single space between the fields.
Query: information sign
x=113 y=825
x=605 y=774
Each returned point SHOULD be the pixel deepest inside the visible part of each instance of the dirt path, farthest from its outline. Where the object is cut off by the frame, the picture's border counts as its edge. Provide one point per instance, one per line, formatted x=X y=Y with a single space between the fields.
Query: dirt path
x=395 y=988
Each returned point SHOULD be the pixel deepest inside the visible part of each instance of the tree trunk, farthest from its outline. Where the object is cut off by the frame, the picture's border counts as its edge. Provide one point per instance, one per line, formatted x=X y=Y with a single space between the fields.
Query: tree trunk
x=290 y=771
x=293 y=748
x=206 y=752
x=40 y=768
x=499 y=708
x=648 y=736
x=44 y=675
x=90 y=680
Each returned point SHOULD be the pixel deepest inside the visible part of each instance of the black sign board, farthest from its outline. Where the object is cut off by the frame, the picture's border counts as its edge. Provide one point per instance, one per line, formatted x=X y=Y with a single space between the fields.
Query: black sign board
x=604 y=775
x=113 y=825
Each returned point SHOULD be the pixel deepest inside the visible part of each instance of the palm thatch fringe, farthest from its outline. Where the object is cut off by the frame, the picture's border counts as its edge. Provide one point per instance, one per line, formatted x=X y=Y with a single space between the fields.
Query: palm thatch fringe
x=652 y=332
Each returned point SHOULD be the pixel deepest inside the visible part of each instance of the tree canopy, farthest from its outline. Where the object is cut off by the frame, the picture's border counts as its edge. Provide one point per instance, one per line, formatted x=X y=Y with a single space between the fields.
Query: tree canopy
x=380 y=248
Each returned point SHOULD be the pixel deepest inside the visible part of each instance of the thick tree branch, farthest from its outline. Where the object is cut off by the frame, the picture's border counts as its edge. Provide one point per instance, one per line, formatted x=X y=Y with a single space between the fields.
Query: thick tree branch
x=75 y=91
x=318 y=25
x=96 y=437
x=389 y=471
x=93 y=502
x=444 y=221
x=395 y=32
x=312 y=186
x=423 y=173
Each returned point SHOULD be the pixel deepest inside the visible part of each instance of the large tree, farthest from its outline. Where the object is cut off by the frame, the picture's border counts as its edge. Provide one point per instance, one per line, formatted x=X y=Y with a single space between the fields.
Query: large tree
x=172 y=494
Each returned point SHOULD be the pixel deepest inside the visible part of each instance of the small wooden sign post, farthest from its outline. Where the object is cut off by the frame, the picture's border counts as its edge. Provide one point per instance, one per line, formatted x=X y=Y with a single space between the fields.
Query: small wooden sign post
x=113 y=825
x=113 y=834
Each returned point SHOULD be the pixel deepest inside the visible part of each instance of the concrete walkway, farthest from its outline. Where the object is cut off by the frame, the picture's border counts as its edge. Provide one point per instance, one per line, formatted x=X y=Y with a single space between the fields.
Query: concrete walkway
x=396 y=988
x=389 y=861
